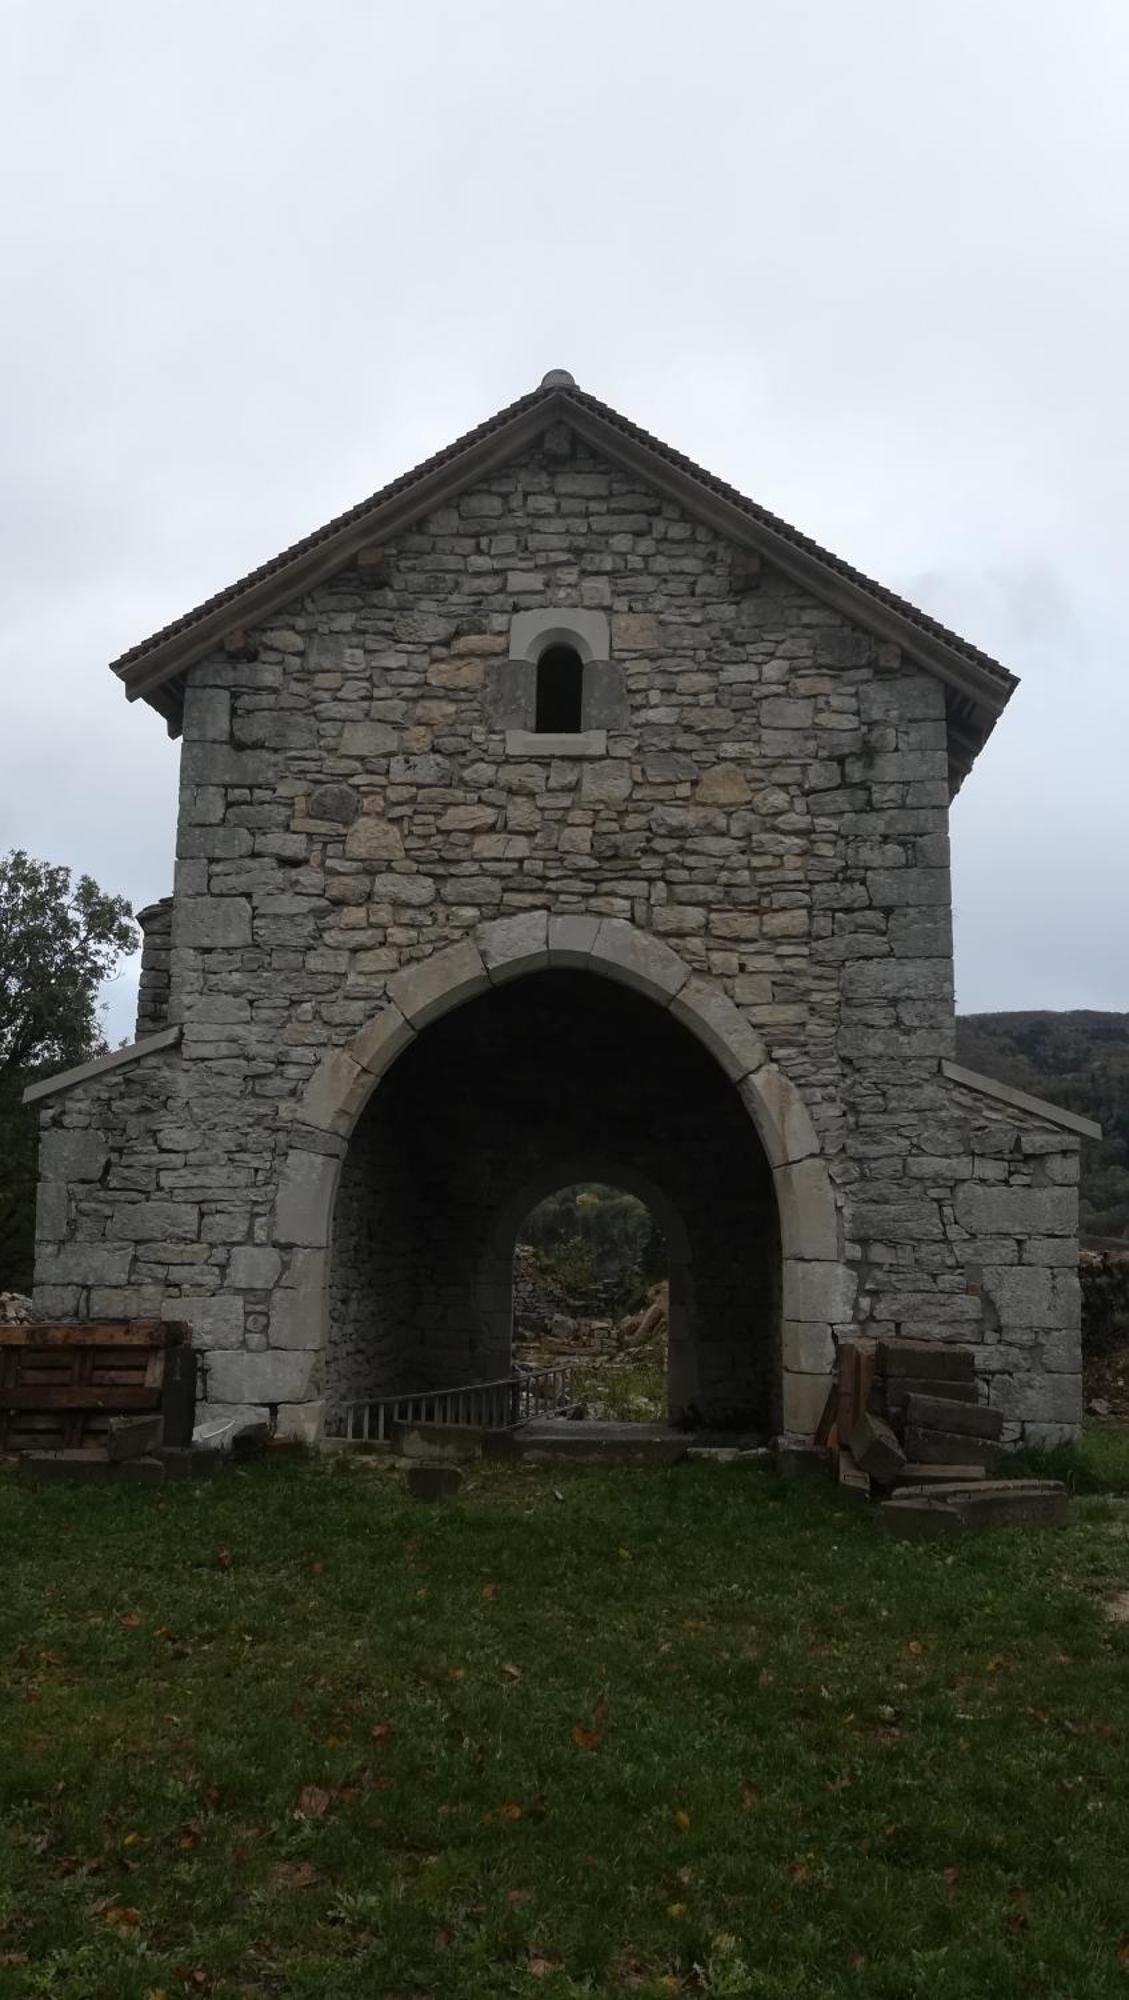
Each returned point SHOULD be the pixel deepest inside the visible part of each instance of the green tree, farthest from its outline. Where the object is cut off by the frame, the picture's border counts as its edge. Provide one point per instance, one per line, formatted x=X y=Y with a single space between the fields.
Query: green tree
x=58 y=941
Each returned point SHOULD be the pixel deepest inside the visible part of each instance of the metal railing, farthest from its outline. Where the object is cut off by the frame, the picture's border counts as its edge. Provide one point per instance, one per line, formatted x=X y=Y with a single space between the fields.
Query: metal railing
x=500 y=1405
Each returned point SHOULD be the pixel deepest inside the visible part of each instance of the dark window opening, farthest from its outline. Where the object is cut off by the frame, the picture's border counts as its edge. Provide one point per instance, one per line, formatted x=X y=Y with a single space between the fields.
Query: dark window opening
x=560 y=676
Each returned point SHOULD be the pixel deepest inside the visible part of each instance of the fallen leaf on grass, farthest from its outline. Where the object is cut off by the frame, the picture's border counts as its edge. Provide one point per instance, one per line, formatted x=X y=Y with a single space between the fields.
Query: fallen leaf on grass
x=294 y=1874
x=314 y=1801
x=586 y=1739
x=510 y=1811
x=951 y=1878
x=491 y=1589
x=380 y=1732
x=455 y=1673
x=750 y=1794
x=121 y=1916
x=13 y=1957
x=682 y=1821
x=541 y=1967
x=223 y=1558
x=517 y=1898
x=188 y=1837
x=1123 y=1951
x=511 y=1672
x=131 y=1618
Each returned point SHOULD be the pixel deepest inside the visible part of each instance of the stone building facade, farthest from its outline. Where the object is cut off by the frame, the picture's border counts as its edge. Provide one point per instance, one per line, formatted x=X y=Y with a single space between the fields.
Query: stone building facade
x=559 y=813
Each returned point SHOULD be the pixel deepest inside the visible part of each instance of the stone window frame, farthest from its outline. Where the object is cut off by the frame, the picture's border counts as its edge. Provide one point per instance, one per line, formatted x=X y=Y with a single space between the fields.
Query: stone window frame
x=603 y=698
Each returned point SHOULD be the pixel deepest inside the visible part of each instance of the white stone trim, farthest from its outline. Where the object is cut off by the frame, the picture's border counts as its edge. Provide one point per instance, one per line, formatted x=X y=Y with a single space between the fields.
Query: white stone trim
x=166 y=1038
x=1018 y=1100
x=533 y=632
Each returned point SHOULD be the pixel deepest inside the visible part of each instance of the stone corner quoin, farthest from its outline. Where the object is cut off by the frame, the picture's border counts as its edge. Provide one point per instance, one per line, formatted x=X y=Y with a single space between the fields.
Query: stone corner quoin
x=744 y=861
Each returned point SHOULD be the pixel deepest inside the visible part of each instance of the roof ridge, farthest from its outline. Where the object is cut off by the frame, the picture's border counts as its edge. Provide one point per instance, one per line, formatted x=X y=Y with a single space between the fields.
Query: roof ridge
x=560 y=392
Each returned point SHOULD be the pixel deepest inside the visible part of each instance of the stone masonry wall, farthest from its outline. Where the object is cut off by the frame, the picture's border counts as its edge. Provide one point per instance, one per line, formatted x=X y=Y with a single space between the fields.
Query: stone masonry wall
x=773 y=802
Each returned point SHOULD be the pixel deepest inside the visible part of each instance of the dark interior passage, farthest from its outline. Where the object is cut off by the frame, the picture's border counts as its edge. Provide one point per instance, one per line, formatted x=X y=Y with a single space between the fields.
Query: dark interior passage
x=554 y=1078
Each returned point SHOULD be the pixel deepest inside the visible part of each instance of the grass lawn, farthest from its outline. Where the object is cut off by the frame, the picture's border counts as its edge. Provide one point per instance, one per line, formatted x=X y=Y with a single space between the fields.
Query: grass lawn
x=578 y=1733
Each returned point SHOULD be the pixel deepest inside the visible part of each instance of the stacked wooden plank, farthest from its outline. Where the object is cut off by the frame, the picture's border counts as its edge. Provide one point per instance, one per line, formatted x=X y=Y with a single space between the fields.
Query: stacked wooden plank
x=86 y=1399
x=906 y=1419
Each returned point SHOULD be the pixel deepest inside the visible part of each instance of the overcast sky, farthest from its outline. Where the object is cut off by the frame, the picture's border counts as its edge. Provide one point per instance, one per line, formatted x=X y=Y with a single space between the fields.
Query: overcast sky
x=866 y=259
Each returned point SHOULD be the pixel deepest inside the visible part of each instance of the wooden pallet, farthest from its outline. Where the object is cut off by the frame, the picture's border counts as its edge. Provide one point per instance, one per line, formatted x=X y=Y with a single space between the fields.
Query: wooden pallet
x=60 y=1384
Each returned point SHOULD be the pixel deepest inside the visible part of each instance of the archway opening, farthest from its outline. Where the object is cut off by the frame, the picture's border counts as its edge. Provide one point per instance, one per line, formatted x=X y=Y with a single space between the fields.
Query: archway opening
x=591 y=1296
x=550 y=1080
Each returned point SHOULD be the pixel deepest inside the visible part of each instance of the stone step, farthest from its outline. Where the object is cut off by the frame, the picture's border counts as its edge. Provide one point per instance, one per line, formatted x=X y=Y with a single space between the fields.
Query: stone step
x=561 y=1441
x=924 y=1513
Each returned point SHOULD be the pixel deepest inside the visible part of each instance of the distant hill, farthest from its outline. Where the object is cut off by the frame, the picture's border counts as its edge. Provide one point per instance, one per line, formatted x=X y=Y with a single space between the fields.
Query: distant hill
x=1081 y=1062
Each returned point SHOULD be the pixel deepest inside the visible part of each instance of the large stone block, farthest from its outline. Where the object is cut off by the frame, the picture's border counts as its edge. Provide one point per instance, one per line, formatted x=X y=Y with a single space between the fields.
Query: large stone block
x=807 y=1347
x=385 y=1037
x=991 y=1209
x=211 y=923
x=804 y=1398
x=83 y=1264
x=299 y=1308
x=515 y=945
x=1037 y=1397
x=216 y=1321
x=1026 y=1295
x=258 y=1379
x=425 y=991
x=711 y=1016
x=156 y=1221
x=72 y=1156
x=254 y=1267
x=306 y=1190
x=634 y=958
x=818 y=1292
x=571 y=940
x=780 y=1116
x=805 y=1202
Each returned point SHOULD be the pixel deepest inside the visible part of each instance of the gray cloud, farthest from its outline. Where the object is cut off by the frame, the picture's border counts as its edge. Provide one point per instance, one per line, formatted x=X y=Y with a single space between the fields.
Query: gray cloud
x=867 y=262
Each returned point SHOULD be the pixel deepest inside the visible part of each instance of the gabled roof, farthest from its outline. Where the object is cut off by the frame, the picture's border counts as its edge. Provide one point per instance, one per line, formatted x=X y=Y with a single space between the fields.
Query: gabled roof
x=978 y=685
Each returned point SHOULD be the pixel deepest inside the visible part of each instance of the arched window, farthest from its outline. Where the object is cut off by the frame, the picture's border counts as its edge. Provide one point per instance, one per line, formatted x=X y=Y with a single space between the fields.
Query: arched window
x=560 y=677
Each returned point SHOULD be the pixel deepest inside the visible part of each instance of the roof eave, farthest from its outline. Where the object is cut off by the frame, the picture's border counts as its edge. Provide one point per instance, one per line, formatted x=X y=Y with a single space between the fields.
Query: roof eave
x=266 y=595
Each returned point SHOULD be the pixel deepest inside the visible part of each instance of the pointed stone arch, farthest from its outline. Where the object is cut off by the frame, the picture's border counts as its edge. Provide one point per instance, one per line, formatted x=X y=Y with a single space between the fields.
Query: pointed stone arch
x=817 y=1287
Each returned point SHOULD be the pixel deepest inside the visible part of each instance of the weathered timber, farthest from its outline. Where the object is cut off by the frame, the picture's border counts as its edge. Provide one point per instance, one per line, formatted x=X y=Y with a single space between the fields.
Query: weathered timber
x=946 y=1448
x=930 y=1360
x=875 y=1448
x=889 y=1394
x=133 y=1437
x=97 y=1333
x=913 y=1473
x=67 y=1396
x=944 y=1413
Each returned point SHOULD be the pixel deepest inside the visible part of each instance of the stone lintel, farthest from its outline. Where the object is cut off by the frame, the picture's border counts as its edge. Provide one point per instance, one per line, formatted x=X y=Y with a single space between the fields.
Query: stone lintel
x=166 y=1038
